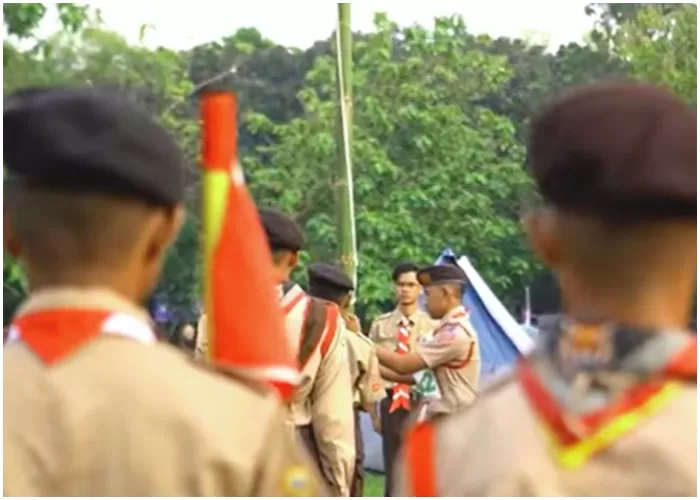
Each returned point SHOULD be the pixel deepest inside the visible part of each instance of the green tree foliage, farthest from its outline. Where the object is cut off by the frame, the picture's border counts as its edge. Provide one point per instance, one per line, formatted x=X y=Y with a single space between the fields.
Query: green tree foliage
x=660 y=46
x=440 y=120
x=22 y=19
x=433 y=167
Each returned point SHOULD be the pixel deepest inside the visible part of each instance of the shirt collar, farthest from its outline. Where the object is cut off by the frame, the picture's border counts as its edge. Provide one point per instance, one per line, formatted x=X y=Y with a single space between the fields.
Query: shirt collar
x=412 y=319
x=82 y=298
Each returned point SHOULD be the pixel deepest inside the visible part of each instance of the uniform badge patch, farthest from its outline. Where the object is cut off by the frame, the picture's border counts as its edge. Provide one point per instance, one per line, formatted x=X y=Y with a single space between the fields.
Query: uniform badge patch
x=446 y=333
x=297 y=482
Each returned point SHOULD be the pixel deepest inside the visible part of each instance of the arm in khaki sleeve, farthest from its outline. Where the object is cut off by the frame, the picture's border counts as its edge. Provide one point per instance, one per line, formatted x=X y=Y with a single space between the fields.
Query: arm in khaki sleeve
x=449 y=344
x=372 y=390
x=371 y=385
x=374 y=331
x=402 y=364
x=286 y=470
x=389 y=374
x=202 y=343
x=332 y=416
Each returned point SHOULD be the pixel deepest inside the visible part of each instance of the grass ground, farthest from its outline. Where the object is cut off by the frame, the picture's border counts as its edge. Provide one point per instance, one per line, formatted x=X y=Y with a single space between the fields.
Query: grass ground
x=374 y=485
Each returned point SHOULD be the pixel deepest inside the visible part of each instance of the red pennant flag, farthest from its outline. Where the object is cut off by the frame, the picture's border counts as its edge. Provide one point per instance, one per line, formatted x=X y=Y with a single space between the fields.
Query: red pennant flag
x=245 y=323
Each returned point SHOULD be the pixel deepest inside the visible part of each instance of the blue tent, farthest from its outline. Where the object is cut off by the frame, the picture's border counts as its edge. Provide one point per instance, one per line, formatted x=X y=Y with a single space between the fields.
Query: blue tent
x=501 y=341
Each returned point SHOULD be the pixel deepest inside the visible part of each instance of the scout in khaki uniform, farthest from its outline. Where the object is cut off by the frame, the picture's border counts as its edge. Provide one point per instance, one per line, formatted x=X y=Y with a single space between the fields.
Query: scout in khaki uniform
x=321 y=408
x=329 y=282
x=398 y=331
x=93 y=405
x=607 y=406
x=452 y=350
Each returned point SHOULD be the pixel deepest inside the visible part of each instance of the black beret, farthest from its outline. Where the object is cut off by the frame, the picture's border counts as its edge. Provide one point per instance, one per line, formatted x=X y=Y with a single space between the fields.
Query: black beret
x=281 y=231
x=441 y=275
x=331 y=274
x=90 y=140
x=617 y=149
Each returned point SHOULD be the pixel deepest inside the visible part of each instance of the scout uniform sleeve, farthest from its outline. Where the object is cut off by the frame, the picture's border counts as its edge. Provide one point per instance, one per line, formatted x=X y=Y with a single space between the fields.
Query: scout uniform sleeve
x=332 y=415
x=371 y=385
x=450 y=343
x=286 y=469
x=374 y=330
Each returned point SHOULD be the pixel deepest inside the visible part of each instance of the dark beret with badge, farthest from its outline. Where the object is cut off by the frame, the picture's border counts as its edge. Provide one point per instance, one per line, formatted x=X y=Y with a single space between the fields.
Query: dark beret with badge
x=330 y=274
x=86 y=140
x=281 y=230
x=619 y=150
x=444 y=274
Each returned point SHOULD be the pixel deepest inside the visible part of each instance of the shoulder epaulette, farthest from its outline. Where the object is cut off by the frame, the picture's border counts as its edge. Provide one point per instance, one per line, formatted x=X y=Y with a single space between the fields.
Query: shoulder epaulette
x=384 y=316
x=235 y=376
x=362 y=337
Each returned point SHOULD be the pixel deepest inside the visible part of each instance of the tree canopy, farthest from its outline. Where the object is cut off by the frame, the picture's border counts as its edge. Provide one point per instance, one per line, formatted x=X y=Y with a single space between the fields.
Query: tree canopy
x=440 y=117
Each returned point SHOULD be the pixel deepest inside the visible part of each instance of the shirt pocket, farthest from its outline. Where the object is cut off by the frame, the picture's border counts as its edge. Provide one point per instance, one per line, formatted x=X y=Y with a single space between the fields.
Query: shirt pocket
x=386 y=336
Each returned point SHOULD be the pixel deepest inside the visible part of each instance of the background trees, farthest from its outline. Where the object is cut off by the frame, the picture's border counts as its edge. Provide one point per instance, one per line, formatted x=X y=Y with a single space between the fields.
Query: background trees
x=441 y=114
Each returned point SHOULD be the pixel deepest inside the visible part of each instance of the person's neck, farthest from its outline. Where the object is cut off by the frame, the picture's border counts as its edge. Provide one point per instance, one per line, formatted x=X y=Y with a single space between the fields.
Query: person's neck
x=85 y=279
x=282 y=274
x=453 y=305
x=659 y=308
x=408 y=309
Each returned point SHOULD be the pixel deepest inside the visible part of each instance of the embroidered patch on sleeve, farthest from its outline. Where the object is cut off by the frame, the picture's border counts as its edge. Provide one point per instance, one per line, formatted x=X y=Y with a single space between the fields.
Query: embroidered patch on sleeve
x=297 y=482
x=446 y=334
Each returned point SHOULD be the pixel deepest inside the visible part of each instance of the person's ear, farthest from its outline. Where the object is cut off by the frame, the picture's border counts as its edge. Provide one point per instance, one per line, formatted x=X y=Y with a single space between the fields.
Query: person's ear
x=345 y=304
x=164 y=231
x=293 y=259
x=542 y=228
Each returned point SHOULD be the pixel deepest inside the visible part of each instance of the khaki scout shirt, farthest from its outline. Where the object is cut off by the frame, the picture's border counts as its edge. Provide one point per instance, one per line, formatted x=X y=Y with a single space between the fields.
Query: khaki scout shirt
x=386 y=327
x=324 y=395
x=452 y=352
x=501 y=445
x=368 y=387
x=122 y=418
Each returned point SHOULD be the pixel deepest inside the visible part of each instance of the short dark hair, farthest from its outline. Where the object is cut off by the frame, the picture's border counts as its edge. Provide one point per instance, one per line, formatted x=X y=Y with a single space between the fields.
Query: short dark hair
x=403 y=268
x=459 y=288
x=62 y=230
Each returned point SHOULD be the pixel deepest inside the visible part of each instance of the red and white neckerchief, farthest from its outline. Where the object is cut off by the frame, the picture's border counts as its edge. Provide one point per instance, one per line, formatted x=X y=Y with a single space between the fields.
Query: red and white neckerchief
x=55 y=334
x=401 y=393
x=290 y=300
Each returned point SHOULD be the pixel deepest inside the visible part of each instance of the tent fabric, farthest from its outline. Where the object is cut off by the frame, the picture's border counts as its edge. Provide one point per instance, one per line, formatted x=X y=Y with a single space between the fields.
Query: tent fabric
x=501 y=341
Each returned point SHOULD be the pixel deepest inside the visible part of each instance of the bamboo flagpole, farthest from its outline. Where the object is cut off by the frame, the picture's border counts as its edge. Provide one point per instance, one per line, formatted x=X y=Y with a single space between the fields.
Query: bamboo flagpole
x=245 y=326
x=345 y=197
